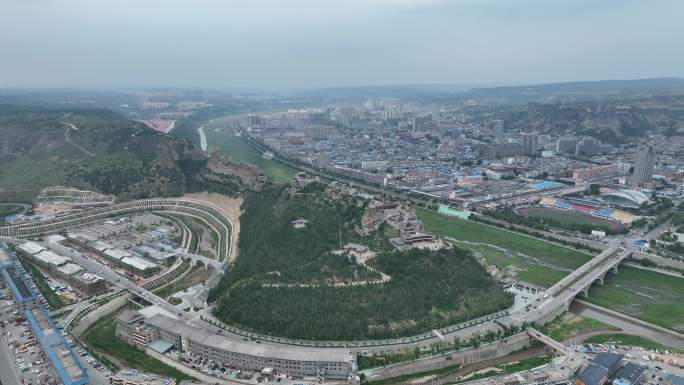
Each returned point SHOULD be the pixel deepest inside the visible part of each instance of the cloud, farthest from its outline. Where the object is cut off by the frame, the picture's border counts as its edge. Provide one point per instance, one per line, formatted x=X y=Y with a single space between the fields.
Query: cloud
x=303 y=43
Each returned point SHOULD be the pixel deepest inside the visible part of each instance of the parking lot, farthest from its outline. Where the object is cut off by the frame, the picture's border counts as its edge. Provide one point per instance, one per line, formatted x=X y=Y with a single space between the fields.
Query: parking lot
x=230 y=372
x=659 y=364
x=27 y=357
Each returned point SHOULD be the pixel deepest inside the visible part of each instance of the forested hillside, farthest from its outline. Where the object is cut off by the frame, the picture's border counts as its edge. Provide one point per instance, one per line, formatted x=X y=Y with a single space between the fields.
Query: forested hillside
x=427 y=290
x=272 y=250
x=94 y=149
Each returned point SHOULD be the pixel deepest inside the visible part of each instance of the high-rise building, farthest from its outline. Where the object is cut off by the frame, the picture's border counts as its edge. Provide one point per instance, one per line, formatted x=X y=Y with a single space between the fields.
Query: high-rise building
x=390 y=114
x=530 y=144
x=589 y=146
x=256 y=121
x=487 y=151
x=424 y=125
x=567 y=145
x=317 y=119
x=643 y=167
x=498 y=129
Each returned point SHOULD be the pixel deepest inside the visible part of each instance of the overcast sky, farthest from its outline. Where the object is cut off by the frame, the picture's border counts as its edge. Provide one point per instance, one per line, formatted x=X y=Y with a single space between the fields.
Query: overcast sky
x=291 y=44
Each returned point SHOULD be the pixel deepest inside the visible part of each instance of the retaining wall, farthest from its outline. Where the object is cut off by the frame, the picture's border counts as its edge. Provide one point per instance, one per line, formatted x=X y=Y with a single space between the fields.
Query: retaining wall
x=94 y=316
x=660 y=261
x=464 y=357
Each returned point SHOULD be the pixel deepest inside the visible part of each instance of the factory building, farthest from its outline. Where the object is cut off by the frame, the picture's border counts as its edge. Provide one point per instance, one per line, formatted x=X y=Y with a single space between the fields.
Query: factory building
x=601 y=367
x=62 y=268
x=630 y=374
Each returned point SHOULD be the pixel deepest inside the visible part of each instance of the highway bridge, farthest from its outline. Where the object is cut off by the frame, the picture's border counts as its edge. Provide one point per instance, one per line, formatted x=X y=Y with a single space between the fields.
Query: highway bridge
x=546 y=340
x=558 y=298
x=582 y=271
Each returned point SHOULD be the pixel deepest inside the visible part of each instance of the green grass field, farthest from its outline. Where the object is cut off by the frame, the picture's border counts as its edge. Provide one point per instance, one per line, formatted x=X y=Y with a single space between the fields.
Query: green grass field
x=220 y=134
x=537 y=261
x=101 y=338
x=647 y=295
x=627 y=340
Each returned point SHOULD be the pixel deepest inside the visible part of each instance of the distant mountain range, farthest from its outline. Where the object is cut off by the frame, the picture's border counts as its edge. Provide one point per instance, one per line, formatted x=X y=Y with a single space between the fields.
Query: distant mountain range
x=584 y=89
x=508 y=94
x=398 y=91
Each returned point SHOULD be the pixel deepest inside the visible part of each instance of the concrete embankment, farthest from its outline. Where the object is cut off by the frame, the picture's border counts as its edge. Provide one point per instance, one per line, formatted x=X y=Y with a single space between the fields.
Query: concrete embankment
x=463 y=357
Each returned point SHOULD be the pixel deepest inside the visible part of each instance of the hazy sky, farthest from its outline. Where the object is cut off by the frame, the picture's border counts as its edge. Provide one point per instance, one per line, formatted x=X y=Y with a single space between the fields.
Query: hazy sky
x=288 y=44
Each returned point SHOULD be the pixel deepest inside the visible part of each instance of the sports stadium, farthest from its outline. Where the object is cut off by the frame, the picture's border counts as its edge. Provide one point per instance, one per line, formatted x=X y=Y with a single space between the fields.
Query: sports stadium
x=579 y=211
x=625 y=198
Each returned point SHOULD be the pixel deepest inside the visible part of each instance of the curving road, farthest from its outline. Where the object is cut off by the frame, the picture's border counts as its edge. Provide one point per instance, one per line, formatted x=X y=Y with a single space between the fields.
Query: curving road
x=557 y=301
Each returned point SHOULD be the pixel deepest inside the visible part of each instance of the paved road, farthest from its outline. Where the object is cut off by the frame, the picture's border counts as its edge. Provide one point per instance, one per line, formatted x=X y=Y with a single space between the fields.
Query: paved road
x=628 y=327
x=116 y=279
x=598 y=266
x=203 y=138
x=67 y=137
x=580 y=271
x=588 y=273
x=658 y=231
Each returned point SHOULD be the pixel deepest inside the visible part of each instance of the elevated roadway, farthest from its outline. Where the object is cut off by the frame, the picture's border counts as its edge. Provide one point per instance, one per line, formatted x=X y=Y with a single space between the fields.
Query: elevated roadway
x=546 y=340
x=558 y=301
x=580 y=272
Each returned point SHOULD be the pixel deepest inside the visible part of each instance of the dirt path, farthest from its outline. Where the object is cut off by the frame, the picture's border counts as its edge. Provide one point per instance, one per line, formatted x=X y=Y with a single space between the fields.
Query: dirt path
x=580 y=337
x=231 y=208
x=67 y=138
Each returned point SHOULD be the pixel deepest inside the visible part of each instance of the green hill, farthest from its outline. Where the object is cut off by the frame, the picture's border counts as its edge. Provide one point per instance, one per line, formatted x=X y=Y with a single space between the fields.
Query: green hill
x=99 y=150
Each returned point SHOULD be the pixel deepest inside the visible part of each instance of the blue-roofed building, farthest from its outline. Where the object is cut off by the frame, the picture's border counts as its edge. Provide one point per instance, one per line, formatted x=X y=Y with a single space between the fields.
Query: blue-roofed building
x=630 y=374
x=545 y=185
x=68 y=367
x=66 y=363
x=603 y=212
x=593 y=375
x=12 y=274
x=674 y=379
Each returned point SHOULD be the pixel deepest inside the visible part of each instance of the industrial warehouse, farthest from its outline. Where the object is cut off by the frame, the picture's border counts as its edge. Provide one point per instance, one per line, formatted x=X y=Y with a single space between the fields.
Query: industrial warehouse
x=62 y=267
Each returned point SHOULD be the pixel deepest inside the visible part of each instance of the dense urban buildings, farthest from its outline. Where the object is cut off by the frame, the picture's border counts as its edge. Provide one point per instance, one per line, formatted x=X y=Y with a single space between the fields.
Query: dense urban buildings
x=351 y=195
